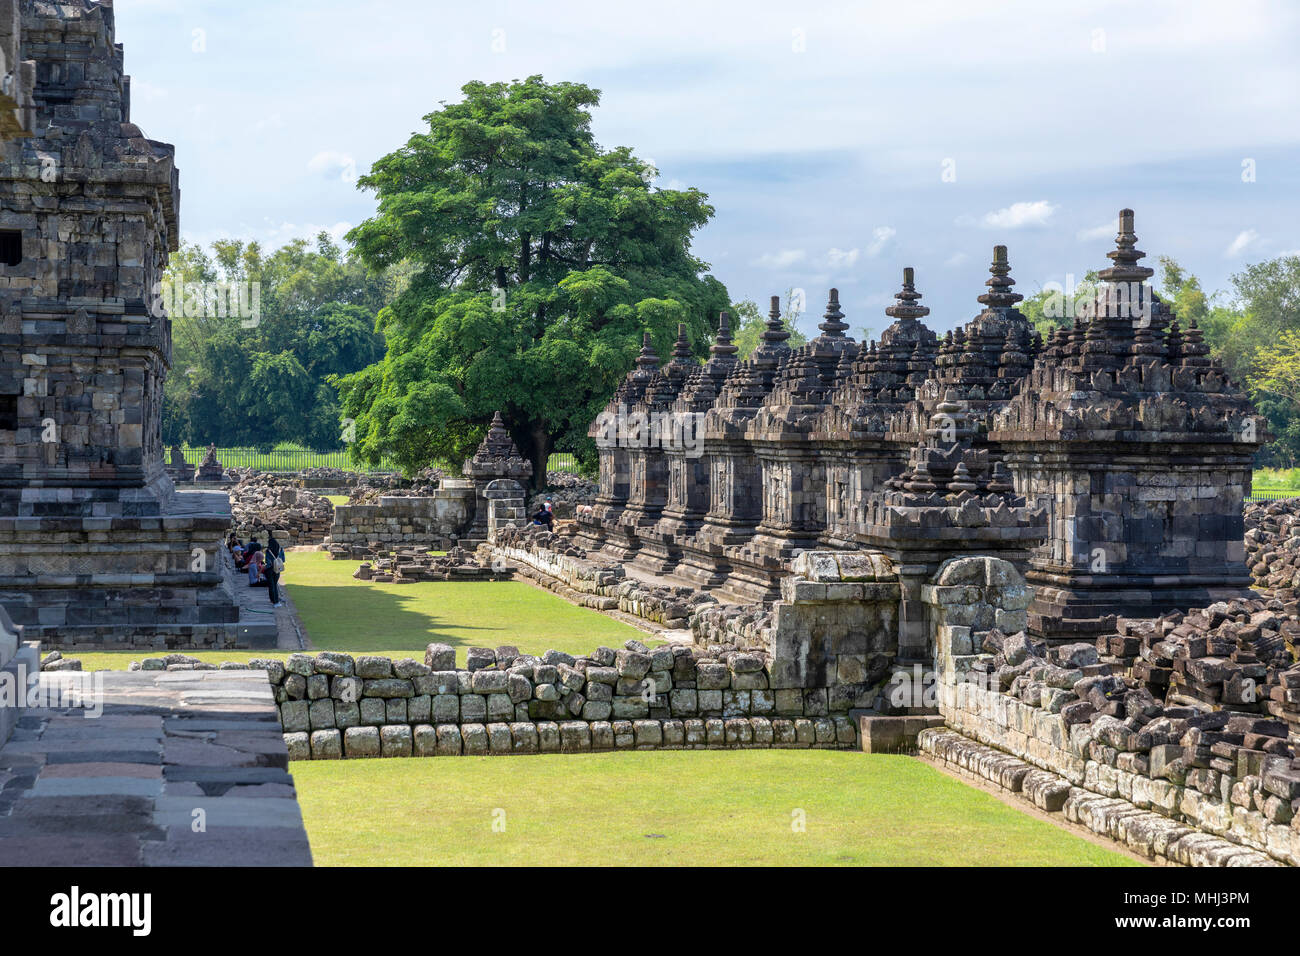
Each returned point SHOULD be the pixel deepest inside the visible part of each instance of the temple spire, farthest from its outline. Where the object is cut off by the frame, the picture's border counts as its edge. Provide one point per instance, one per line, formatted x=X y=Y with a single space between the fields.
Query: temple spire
x=722 y=346
x=1000 y=282
x=833 y=325
x=1126 y=255
x=776 y=332
x=908 y=306
x=648 y=359
x=682 y=348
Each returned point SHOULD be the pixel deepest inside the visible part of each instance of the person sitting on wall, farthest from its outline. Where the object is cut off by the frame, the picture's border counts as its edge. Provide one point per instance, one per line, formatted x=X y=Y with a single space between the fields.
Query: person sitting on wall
x=256 y=564
x=545 y=517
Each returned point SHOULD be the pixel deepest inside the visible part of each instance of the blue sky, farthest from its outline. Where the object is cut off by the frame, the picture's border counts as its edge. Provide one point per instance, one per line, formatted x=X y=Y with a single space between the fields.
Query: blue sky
x=837 y=142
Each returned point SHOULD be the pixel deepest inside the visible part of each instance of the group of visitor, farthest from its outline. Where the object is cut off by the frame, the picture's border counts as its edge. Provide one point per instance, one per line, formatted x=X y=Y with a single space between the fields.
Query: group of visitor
x=263 y=565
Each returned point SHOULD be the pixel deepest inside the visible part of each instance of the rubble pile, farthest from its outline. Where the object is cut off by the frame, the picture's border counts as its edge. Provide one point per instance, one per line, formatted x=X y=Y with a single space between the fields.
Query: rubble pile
x=409 y=565
x=261 y=502
x=55 y=661
x=1273 y=544
x=370 y=488
x=1236 y=655
x=566 y=491
x=1222 y=747
x=536 y=536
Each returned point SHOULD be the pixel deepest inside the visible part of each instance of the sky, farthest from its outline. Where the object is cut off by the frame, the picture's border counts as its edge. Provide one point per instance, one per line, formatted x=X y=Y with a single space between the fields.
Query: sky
x=838 y=142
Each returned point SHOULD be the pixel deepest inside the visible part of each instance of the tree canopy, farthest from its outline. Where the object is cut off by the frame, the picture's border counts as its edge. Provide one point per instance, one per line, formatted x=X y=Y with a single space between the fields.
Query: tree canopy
x=537 y=259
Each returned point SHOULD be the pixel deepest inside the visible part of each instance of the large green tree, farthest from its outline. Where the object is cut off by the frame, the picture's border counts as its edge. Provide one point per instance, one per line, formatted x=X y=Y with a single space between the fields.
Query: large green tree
x=264 y=379
x=537 y=257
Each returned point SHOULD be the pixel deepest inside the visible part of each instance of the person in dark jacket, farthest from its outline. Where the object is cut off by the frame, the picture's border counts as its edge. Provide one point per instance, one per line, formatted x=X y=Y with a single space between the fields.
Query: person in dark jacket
x=274 y=556
x=545 y=517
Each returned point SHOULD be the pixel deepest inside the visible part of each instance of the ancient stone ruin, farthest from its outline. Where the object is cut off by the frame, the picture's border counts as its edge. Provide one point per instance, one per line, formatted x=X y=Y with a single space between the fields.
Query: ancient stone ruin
x=448 y=513
x=1108 y=464
x=96 y=548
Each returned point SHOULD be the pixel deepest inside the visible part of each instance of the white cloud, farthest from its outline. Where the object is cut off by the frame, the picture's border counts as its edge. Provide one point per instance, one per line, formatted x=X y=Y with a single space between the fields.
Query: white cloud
x=1106 y=230
x=1245 y=239
x=329 y=163
x=1019 y=215
x=956 y=259
x=841 y=258
x=781 y=260
x=880 y=236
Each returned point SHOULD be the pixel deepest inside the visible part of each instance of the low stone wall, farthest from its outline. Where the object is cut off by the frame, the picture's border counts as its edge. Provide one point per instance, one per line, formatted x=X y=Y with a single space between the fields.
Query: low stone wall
x=835 y=628
x=1104 y=733
x=555 y=563
x=1145 y=832
x=334 y=705
x=395 y=521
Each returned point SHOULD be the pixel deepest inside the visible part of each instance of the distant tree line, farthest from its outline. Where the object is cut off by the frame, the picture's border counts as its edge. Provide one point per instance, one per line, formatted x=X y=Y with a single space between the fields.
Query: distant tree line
x=241 y=378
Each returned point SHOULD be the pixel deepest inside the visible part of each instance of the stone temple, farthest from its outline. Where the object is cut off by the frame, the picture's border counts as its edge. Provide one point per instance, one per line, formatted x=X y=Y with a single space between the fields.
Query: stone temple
x=1108 y=464
x=96 y=547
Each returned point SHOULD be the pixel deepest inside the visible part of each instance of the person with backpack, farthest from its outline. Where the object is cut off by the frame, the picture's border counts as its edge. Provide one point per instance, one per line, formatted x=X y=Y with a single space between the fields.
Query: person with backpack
x=274 y=568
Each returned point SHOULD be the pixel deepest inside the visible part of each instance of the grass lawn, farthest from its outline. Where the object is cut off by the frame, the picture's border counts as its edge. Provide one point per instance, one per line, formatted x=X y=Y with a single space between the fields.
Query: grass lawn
x=1276 y=479
x=340 y=613
x=674 y=808
x=336 y=500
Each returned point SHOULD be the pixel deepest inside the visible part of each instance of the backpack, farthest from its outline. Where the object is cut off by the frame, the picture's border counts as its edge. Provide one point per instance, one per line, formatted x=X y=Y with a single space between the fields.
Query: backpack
x=277 y=562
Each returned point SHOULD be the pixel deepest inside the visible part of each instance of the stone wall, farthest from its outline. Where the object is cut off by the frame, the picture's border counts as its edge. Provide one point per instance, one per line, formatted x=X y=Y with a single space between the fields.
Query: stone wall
x=1100 y=733
x=437 y=522
x=334 y=705
x=835 y=628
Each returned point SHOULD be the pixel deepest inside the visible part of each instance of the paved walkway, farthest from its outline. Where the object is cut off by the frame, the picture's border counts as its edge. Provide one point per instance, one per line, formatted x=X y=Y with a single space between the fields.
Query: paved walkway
x=255 y=608
x=183 y=768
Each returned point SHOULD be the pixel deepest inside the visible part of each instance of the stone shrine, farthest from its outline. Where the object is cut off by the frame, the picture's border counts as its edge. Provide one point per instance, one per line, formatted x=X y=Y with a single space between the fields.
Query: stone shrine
x=96 y=547
x=1108 y=464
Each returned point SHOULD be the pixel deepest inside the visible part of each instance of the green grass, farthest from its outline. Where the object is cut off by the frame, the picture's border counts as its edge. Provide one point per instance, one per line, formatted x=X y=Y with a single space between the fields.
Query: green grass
x=669 y=808
x=340 y=613
x=1276 y=479
x=336 y=500
x=285 y=456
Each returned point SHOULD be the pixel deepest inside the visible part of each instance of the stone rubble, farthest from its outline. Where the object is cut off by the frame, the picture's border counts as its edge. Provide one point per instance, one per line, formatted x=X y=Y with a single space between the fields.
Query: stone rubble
x=410 y=565
x=1273 y=545
x=1190 y=715
x=566 y=491
x=263 y=502
x=370 y=488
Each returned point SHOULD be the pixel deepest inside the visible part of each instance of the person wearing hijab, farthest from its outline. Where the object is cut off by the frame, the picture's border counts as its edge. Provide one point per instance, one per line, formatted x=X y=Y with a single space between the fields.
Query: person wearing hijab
x=274 y=568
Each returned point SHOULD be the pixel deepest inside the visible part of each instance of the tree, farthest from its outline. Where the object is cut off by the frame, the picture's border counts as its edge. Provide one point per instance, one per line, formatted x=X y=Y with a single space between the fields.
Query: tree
x=538 y=259
x=264 y=378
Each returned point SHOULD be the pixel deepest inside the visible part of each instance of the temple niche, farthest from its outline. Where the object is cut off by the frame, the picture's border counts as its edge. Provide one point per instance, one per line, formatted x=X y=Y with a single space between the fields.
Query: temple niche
x=96 y=547
x=1108 y=464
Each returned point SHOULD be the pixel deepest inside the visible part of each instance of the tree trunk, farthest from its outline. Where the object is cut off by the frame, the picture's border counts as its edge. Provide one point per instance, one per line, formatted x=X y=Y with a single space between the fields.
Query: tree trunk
x=534 y=443
x=541 y=454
